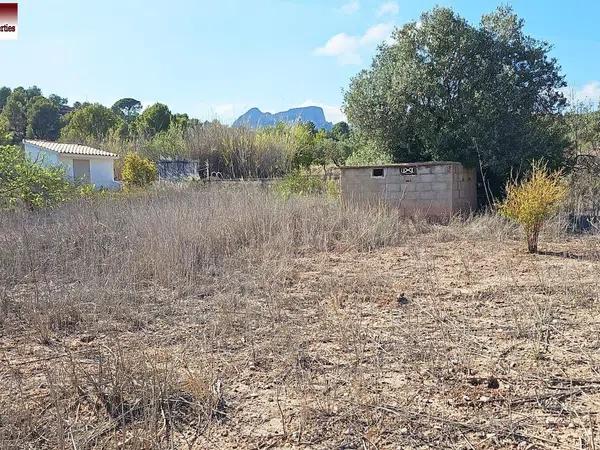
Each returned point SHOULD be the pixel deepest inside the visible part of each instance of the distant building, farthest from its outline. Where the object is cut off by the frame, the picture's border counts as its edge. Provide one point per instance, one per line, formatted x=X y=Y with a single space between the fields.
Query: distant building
x=81 y=163
x=433 y=189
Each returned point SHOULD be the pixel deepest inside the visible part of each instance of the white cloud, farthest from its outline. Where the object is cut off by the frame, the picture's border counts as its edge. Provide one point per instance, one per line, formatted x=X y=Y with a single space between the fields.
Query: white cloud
x=346 y=48
x=390 y=8
x=333 y=113
x=343 y=46
x=377 y=33
x=351 y=7
x=588 y=92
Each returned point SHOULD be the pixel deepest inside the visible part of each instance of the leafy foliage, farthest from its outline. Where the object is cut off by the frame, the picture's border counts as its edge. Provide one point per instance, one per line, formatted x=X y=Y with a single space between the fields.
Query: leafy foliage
x=531 y=202
x=23 y=182
x=447 y=90
x=14 y=114
x=4 y=93
x=138 y=171
x=89 y=124
x=301 y=183
x=58 y=101
x=169 y=143
x=583 y=120
x=127 y=108
x=340 y=131
x=153 y=120
x=43 y=120
x=366 y=152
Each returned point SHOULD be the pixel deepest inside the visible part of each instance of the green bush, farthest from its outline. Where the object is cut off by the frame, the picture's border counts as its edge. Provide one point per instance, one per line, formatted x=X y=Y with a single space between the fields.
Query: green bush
x=332 y=187
x=301 y=183
x=166 y=144
x=24 y=182
x=138 y=171
x=366 y=153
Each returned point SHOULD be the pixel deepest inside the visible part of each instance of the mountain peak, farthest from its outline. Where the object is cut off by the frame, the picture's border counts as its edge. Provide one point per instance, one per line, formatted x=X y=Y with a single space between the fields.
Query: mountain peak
x=255 y=118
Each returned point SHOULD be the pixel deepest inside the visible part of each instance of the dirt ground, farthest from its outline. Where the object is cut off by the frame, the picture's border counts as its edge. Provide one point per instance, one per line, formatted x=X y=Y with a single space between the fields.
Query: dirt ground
x=438 y=343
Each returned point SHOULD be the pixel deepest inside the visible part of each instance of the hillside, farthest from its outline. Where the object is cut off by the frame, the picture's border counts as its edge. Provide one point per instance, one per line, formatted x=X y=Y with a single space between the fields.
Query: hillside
x=255 y=118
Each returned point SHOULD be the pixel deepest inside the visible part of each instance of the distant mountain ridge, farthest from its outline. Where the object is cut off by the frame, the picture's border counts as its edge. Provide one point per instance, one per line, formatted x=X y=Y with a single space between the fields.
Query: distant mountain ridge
x=255 y=118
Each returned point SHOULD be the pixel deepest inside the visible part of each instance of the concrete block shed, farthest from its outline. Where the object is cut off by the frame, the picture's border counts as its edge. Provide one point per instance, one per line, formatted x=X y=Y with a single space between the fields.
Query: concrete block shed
x=433 y=189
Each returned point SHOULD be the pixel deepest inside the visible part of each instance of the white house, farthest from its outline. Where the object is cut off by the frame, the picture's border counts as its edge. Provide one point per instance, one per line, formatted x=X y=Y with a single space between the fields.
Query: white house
x=82 y=163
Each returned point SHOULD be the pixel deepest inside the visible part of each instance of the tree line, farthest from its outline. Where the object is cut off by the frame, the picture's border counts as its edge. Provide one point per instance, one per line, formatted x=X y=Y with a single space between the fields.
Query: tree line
x=26 y=113
x=156 y=132
x=487 y=95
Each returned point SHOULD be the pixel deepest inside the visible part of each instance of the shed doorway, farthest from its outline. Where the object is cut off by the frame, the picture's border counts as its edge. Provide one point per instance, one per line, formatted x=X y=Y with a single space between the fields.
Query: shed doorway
x=81 y=170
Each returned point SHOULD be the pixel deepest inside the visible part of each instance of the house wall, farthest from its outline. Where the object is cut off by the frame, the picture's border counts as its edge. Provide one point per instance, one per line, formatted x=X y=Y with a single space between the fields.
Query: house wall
x=67 y=163
x=41 y=156
x=439 y=190
x=102 y=173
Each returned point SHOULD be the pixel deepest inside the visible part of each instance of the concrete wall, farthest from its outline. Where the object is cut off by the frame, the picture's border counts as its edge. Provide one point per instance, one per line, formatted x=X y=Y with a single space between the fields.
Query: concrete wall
x=432 y=189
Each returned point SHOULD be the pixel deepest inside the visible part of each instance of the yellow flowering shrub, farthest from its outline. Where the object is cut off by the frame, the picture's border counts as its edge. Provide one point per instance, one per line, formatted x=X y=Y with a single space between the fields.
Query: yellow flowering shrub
x=138 y=171
x=532 y=201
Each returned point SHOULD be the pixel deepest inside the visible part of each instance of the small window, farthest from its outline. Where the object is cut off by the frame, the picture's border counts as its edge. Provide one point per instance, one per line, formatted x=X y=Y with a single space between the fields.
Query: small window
x=377 y=173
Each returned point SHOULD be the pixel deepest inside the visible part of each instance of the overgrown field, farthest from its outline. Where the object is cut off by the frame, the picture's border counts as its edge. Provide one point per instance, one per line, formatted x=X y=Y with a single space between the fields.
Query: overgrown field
x=212 y=319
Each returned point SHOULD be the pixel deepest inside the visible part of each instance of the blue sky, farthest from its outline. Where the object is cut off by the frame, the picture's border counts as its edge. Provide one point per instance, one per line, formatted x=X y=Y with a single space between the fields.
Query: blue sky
x=216 y=59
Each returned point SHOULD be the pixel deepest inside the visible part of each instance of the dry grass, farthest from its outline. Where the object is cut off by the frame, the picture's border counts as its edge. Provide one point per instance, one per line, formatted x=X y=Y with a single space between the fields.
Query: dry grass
x=233 y=319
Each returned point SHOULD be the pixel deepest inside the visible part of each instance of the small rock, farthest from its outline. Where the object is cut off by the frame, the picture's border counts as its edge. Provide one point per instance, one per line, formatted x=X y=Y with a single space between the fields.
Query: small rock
x=493 y=383
x=401 y=299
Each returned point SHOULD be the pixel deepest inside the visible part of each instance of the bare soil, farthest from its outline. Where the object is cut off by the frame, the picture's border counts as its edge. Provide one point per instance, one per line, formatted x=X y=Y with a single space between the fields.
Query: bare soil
x=443 y=342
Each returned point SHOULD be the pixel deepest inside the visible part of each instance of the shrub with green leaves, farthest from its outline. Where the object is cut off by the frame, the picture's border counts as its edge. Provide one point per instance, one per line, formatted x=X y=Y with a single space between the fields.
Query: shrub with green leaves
x=531 y=202
x=24 y=182
x=301 y=183
x=367 y=153
x=138 y=171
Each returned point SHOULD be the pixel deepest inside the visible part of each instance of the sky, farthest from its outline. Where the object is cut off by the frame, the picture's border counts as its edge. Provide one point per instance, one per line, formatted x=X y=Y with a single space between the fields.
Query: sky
x=216 y=59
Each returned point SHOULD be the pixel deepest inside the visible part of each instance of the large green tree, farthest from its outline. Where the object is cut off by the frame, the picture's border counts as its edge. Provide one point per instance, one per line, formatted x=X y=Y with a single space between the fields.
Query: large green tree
x=4 y=93
x=128 y=108
x=444 y=89
x=32 y=92
x=43 y=120
x=90 y=124
x=14 y=114
x=153 y=120
x=340 y=131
